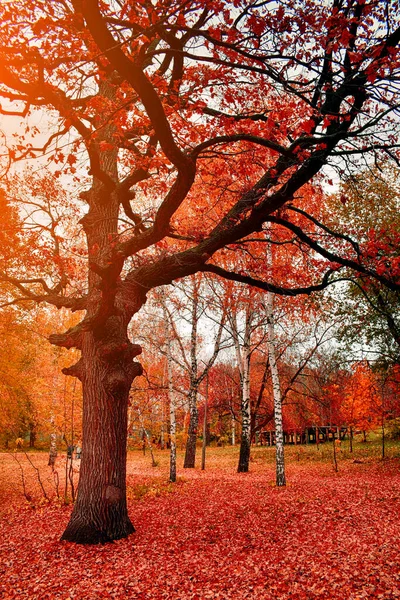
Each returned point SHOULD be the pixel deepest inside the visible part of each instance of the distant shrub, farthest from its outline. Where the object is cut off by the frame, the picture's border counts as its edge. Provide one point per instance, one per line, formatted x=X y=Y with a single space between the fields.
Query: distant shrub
x=222 y=440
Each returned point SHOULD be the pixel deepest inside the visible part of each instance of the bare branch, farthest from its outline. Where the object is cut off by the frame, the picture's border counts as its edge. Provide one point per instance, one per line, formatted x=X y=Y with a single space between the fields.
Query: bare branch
x=269 y=287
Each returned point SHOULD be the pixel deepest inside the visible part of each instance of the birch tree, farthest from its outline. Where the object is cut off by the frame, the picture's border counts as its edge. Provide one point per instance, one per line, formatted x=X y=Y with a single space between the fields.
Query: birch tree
x=276 y=388
x=171 y=394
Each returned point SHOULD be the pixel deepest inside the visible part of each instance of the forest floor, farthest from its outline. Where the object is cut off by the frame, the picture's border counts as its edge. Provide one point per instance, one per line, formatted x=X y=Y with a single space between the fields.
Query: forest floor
x=215 y=534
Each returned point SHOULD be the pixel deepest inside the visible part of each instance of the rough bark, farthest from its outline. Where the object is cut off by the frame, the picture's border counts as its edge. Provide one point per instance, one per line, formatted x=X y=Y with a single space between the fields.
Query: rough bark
x=100 y=513
x=106 y=368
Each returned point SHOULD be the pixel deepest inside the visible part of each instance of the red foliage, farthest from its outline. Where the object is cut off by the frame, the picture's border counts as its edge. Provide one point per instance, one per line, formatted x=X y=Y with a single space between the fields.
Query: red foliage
x=223 y=536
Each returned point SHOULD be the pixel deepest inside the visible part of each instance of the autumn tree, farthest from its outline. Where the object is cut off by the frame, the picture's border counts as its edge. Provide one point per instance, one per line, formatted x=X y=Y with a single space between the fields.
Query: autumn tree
x=36 y=398
x=195 y=323
x=151 y=96
x=224 y=401
x=242 y=329
x=367 y=308
x=18 y=414
x=192 y=305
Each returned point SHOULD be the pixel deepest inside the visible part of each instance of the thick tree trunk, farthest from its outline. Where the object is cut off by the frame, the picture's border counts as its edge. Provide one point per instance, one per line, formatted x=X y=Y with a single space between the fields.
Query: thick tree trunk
x=106 y=368
x=190 y=454
x=100 y=513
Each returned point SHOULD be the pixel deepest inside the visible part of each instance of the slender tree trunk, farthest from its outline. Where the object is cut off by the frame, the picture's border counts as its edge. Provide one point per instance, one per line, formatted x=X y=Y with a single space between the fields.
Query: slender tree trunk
x=245 y=441
x=53 y=447
x=171 y=397
x=190 y=454
x=172 y=430
x=150 y=445
x=233 y=431
x=351 y=439
x=243 y=357
x=162 y=440
x=146 y=439
x=32 y=436
x=335 y=463
x=53 y=443
x=53 y=434
x=195 y=376
x=279 y=443
x=203 y=450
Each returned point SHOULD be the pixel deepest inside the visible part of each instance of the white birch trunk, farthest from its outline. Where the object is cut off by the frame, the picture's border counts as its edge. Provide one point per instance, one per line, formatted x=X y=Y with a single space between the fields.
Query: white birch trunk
x=276 y=390
x=171 y=397
x=244 y=367
x=146 y=435
x=53 y=435
x=190 y=453
x=172 y=416
x=162 y=440
x=203 y=450
x=53 y=444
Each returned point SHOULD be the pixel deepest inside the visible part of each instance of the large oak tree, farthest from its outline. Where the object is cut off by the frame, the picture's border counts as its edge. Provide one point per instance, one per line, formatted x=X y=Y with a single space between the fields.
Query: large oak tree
x=198 y=121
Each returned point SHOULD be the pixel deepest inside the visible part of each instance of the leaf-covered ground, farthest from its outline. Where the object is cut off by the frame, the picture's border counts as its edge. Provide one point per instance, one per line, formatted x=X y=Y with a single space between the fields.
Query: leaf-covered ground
x=218 y=534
